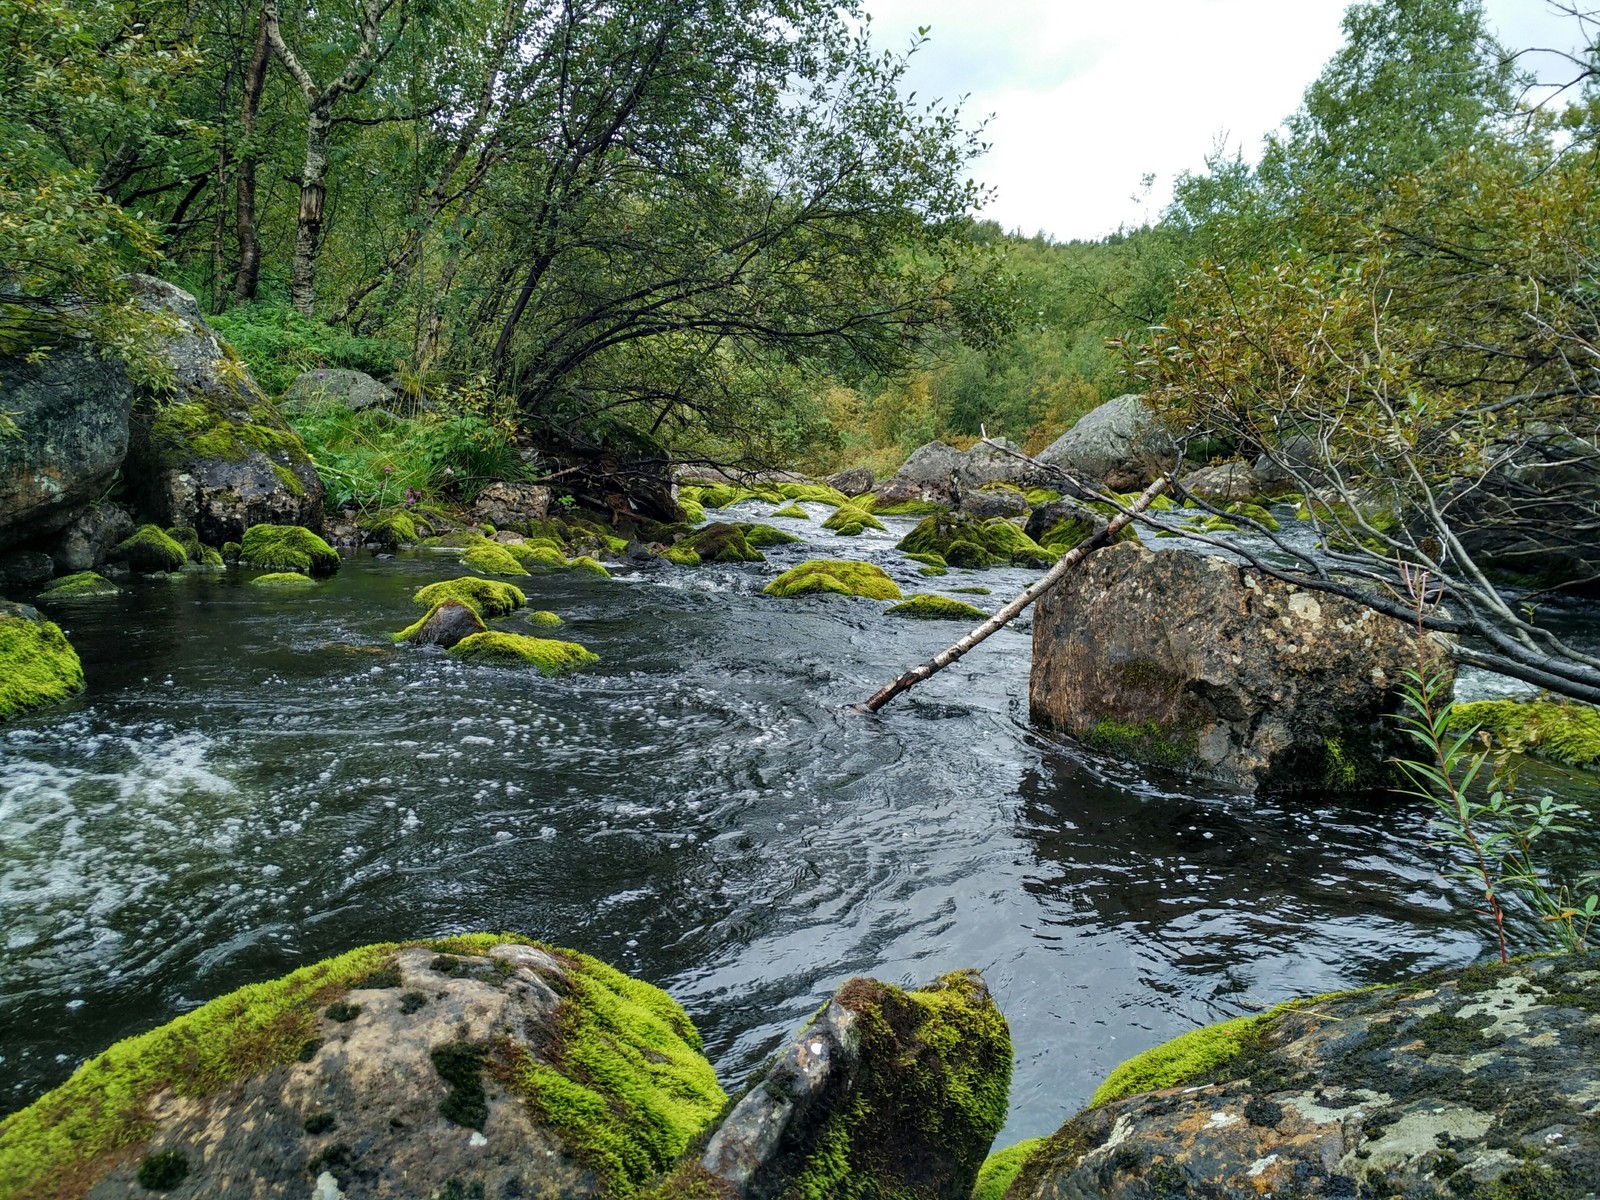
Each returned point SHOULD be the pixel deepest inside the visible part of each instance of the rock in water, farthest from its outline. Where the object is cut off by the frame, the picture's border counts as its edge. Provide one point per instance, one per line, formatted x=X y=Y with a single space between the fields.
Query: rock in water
x=473 y=1066
x=1194 y=663
x=1118 y=445
x=1479 y=1083
x=446 y=624
x=38 y=666
x=855 y=481
x=928 y=475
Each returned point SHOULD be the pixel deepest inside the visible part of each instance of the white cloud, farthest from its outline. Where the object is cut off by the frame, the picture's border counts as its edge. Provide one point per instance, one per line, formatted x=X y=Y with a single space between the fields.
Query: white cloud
x=1087 y=97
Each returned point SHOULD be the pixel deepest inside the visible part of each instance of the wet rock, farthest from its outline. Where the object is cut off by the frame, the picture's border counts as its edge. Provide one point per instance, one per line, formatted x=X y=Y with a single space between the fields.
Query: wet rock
x=71 y=411
x=993 y=502
x=355 y=390
x=468 y=1067
x=1224 y=483
x=38 y=666
x=856 y=481
x=1119 y=445
x=1194 y=663
x=445 y=625
x=87 y=540
x=1063 y=523
x=1477 y=1083
x=929 y=474
x=510 y=505
x=24 y=569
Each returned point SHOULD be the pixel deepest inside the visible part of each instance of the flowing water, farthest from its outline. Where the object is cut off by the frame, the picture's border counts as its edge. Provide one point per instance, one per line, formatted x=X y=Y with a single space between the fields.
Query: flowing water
x=256 y=779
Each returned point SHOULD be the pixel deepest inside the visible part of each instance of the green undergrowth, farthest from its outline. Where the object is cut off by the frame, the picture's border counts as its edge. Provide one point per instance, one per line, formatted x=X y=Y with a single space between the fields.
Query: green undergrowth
x=839 y=578
x=1566 y=732
x=487 y=597
x=287 y=548
x=1001 y=1167
x=283 y=579
x=627 y=1086
x=149 y=550
x=38 y=666
x=85 y=585
x=926 y=606
x=550 y=656
x=280 y=344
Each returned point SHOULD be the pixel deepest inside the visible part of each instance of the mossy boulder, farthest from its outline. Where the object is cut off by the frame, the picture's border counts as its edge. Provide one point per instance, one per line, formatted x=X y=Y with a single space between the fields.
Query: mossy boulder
x=589 y=566
x=683 y=556
x=836 y=577
x=283 y=579
x=926 y=606
x=904 y=508
x=884 y=1093
x=483 y=1064
x=149 y=550
x=1471 y=1082
x=550 y=656
x=1564 y=731
x=38 y=666
x=287 y=548
x=538 y=553
x=968 y=542
x=545 y=618
x=392 y=529
x=792 y=512
x=488 y=558
x=487 y=597
x=815 y=493
x=764 y=536
x=85 y=585
x=693 y=511
x=848 y=521
x=445 y=624
x=722 y=542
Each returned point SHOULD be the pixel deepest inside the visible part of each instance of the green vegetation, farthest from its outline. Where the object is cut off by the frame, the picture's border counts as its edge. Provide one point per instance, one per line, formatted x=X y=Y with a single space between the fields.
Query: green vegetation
x=283 y=579
x=281 y=345
x=546 y=618
x=1147 y=742
x=287 y=548
x=1567 y=733
x=963 y=541
x=487 y=597
x=721 y=542
x=489 y=558
x=1001 y=1168
x=551 y=657
x=38 y=666
x=85 y=585
x=839 y=578
x=848 y=520
x=149 y=550
x=925 y=606
x=1185 y=1058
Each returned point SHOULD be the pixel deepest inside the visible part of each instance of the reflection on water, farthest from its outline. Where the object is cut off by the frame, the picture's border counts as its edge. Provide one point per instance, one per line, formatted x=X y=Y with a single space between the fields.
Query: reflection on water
x=254 y=781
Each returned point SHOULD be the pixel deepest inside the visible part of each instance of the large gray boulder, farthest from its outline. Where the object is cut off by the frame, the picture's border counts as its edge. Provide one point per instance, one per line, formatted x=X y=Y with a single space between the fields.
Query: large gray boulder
x=1479 y=1083
x=1119 y=445
x=929 y=474
x=89 y=537
x=853 y=481
x=355 y=390
x=71 y=409
x=215 y=456
x=999 y=460
x=1224 y=483
x=1194 y=663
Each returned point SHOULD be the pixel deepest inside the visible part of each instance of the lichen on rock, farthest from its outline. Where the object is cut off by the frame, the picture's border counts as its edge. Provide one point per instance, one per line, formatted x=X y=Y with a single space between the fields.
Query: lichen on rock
x=38 y=666
x=837 y=577
x=287 y=548
x=550 y=656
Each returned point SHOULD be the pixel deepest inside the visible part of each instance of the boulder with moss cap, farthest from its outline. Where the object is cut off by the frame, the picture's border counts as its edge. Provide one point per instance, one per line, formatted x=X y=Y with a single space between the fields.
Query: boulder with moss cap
x=1474 y=1083
x=488 y=558
x=550 y=656
x=926 y=606
x=38 y=666
x=488 y=597
x=842 y=578
x=445 y=624
x=287 y=548
x=149 y=550
x=85 y=585
x=722 y=542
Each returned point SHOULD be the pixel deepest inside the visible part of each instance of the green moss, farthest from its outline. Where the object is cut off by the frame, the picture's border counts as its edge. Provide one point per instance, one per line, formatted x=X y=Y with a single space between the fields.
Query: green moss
x=964 y=541
x=1256 y=513
x=972 y=591
x=932 y=572
x=1143 y=743
x=538 y=554
x=487 y=597
x=627 y=1088
x=586 y=564
x=907 y=508
x=287 y=548
x=38 y=666
x=848 y=521
x=683 y=556
x=546 y=618
x=460 y=1064
x=793 y=512
x=188 y=539
x=1564 y=731
x=393 y=529
x=763 y=536
x=721 y=542
x=291 y=481
x=932 y=560
x=817 y=493
x=936 y=1070
x=85 y=585
x=551 y=657
x=210 y=556
x=488 y=558
x=693 y=511
x=196 y=431
x=1185 y=1058
x=1001 y=1167
x=283 y=579
x=968 y=556
x=1039 y=497
x=411 y=631
x=925 y=606
x=841 y=578
x=149 y=550
x=721 y=495
x=230 y=552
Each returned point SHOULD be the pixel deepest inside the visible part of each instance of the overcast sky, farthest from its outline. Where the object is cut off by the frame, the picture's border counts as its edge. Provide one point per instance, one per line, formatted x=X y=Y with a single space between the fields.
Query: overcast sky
x=1088 y=96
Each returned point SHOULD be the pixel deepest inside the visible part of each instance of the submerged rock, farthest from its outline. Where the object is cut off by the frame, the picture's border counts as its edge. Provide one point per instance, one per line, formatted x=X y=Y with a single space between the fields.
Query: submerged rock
x=1480 y=1083
x=550 y=656
x=283 y=579
x=38 y=666
x=85 y=585
x=926 y=606
x=1195 y=663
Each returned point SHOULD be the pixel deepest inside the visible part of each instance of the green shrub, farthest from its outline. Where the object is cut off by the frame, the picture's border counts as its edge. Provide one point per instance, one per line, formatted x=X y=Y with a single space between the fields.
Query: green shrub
x=280 y=344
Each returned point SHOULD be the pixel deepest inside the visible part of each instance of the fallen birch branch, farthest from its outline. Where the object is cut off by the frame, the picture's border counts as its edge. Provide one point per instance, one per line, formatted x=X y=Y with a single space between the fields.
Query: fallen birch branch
x=1024 y=598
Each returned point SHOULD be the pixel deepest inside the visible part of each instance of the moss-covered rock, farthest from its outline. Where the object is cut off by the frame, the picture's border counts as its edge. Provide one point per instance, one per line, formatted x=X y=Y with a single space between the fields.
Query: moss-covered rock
x=85 y=585
x=445 y=624
x=38 y=666
x=287 y=548
x=589 y=566
x=793 y=512
x=487 y=597
x=1564 y=731
x=392 y=529
x=589 y=1083
x=816 y=493
x=964 y=541
x=488 y=558
x=283 y=579
x=1001 y=1167
x=722 y=542
x=929 y=560
x=538 y=553
x=150 y=550
x=764 y=536
x=839 y=578
x=550 y=656
x=848 y=521
x=932 y=572
x=926 y=606
x=231 y=552
x=905 y=508
x=693 y=511
x=188 y=539
x=683 y=556
x=545 y=618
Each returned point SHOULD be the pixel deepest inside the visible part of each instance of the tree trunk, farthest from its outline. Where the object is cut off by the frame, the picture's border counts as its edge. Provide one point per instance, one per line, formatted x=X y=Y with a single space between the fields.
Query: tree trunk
x=308 y=228
x=248 y=276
